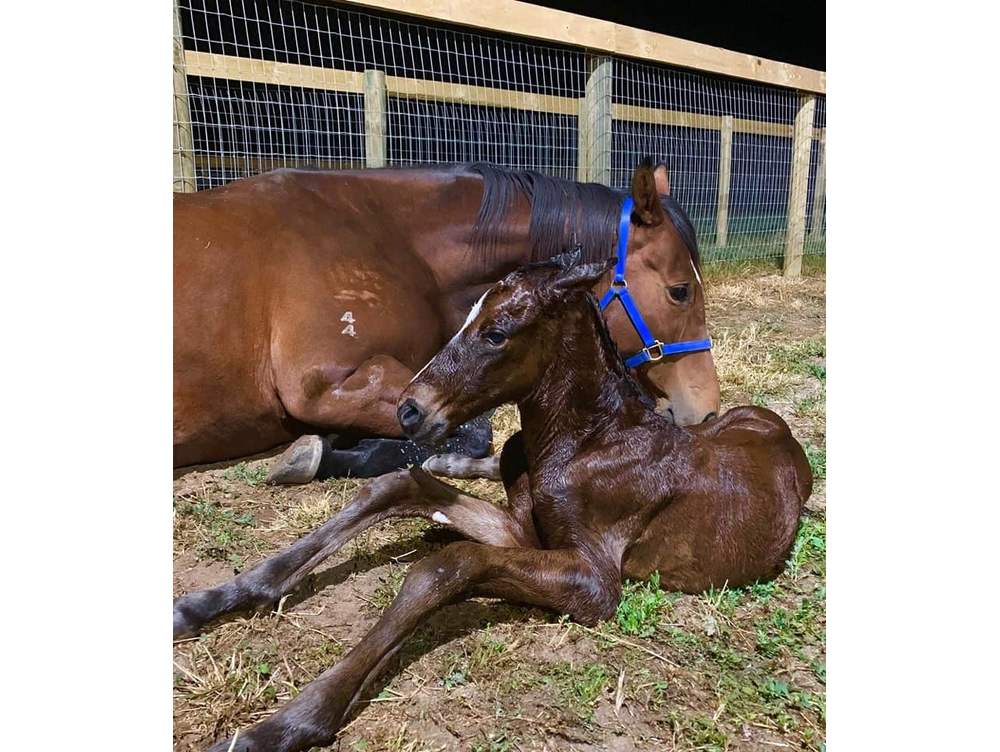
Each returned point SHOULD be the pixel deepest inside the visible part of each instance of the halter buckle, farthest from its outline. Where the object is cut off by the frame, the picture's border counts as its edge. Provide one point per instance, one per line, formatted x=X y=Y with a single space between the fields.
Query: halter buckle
x=619 y=284
x=656 y=347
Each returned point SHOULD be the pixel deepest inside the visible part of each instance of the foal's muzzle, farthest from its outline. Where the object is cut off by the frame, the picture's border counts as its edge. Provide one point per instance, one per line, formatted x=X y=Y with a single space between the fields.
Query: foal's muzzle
x=418 y=425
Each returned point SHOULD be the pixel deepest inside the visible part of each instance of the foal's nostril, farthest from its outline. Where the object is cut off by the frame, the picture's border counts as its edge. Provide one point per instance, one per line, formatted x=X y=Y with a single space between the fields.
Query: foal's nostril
x=708 y=417
x=409 y=415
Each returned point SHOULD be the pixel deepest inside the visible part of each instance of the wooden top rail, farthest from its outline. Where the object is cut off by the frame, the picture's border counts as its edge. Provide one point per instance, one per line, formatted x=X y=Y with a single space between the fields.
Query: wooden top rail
x=331 y=79
x=527 y=20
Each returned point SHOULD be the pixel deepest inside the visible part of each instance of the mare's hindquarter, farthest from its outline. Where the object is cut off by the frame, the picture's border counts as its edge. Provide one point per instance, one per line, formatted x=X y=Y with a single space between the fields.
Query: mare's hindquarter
x=289 y=283
x=734 y=518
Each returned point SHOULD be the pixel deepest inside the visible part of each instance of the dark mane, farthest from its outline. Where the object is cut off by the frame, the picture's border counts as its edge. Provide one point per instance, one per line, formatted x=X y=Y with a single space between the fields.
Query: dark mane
x=615 y=359
x=563 y=214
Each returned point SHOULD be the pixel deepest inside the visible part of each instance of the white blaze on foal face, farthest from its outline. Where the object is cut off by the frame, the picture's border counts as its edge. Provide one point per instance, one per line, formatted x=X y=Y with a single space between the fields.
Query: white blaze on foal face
x=473 y=312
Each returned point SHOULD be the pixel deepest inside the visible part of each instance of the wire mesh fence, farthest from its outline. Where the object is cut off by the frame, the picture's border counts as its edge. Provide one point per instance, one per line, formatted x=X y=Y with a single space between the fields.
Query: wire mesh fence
x=261 y=84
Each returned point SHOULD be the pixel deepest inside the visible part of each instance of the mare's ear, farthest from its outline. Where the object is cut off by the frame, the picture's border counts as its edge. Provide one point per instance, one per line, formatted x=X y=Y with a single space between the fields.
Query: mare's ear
x=662 y=179
x=646 y=195
x=583 y=275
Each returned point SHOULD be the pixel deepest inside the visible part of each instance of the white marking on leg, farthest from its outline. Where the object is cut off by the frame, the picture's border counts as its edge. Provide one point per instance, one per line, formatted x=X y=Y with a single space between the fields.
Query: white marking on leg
x=441 y=517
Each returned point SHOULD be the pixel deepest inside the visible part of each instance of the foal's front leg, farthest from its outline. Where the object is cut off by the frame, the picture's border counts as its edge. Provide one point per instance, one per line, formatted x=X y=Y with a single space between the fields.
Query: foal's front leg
x=562 y=580
x=406 y=493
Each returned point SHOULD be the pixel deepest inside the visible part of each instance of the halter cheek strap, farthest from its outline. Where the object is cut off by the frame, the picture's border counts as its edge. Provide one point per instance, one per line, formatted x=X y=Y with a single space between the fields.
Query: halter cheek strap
x=653 y=349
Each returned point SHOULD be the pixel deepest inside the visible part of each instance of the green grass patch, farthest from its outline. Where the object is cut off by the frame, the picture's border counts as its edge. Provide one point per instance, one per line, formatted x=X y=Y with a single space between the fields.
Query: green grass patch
x=640 y=607
x=388 y=588
x=817 y=460
x=698 y=730
x=252 y=475
x=809 y=551
x=496 y=741
x=222 y=531
x=579 y=687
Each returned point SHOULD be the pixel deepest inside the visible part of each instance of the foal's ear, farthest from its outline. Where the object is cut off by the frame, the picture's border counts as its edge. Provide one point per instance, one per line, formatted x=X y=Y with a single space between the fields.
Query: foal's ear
x=569 y=259
x=583 y=275
x=646 y=195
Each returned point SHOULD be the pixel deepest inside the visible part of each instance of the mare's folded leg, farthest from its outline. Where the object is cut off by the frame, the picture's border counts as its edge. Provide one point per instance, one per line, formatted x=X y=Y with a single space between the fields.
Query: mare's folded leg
x=318 y=458
x=561 y=580
x=406 y=493
x=371 y=458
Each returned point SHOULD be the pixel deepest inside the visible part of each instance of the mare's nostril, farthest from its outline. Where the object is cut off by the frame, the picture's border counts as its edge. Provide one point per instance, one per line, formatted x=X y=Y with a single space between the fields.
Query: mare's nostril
x=708 y=417
x=409 y=415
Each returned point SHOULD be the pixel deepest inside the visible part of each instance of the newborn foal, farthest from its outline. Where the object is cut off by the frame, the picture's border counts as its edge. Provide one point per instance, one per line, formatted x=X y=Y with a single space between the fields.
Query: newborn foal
x=610 y=489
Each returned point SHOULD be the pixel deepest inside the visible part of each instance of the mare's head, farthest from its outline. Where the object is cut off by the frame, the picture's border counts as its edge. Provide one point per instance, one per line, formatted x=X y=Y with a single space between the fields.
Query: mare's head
x=665 y=282
x=507 y=344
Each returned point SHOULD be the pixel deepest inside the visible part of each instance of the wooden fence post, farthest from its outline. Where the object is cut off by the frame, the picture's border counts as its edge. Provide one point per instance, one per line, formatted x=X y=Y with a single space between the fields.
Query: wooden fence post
x=582 y=139
x=375 y=130
x=799 y=184
x=819 y=192
x=184 y=174
x=597 y=104
x=725 y=168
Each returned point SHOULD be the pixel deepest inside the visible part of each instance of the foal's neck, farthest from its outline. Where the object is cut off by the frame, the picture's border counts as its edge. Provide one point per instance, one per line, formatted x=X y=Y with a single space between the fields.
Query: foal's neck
x=584 y=388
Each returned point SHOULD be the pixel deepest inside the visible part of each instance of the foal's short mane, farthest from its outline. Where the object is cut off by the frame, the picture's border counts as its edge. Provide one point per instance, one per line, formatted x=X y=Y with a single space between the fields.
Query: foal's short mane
x=615 y=359
x=563 y=213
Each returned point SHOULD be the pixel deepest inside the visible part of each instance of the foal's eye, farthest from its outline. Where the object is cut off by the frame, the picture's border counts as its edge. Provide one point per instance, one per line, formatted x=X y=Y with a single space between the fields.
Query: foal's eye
x=495 y=337
x=679 y=292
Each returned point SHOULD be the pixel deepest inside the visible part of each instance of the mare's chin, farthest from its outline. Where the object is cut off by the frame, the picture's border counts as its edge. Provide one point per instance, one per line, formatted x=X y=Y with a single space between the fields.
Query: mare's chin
x=664 y=410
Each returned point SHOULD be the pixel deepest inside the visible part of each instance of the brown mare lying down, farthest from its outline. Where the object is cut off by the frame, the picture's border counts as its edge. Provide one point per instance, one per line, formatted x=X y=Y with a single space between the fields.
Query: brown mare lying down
x=610 y=489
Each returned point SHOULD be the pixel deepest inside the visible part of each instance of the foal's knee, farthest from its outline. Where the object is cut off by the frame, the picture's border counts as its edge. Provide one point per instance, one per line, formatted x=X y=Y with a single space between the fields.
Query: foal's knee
x=595 y=598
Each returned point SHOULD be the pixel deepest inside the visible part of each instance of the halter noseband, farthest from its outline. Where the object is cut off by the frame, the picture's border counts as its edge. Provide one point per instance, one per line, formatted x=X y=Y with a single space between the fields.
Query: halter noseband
x=653 y=350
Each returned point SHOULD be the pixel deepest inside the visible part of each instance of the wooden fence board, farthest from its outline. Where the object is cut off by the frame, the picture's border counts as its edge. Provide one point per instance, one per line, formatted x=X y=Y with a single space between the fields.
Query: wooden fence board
x=546 y=24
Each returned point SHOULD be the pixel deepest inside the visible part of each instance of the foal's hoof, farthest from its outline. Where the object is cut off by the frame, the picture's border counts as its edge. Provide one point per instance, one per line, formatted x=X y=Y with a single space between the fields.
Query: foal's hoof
x=460 y=466
x=298 y=463
x=183 y=626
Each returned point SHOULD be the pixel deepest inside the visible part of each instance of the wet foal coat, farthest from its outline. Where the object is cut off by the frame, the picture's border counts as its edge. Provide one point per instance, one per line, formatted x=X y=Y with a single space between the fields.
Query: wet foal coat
x=599 y=487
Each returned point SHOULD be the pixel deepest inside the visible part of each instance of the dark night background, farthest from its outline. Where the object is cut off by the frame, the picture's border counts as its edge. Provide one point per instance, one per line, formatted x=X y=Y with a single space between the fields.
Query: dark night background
x=775 y=29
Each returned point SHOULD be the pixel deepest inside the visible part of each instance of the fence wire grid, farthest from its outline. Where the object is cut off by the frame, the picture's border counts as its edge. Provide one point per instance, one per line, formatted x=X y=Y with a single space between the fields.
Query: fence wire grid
x=262 y=84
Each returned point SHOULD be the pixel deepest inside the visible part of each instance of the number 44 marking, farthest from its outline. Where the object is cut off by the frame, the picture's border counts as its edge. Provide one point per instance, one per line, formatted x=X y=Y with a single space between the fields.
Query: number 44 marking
x=349 y=329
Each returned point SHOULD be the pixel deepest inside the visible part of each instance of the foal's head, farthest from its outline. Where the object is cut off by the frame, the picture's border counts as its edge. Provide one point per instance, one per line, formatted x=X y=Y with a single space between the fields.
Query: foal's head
x=508 y=341
x=665 y=282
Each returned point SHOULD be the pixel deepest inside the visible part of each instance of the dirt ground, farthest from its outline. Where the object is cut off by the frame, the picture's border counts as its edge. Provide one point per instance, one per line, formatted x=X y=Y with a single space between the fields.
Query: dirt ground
x=729 y=670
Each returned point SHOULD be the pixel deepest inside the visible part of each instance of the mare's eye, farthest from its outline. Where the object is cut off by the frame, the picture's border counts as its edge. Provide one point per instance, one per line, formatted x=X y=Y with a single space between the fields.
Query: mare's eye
x=494 y=337
x=679 y=292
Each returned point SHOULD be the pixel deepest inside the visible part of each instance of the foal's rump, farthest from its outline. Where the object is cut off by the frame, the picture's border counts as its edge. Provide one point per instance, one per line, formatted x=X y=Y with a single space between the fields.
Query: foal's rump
x=745 y=423
x=744 y=531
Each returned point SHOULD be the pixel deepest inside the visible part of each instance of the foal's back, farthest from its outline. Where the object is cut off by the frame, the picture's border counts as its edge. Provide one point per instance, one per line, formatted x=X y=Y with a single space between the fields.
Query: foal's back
x=734 y=519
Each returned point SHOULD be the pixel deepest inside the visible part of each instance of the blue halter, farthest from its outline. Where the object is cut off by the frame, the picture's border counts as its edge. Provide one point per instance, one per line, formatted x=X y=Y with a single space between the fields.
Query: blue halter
x=653 y=349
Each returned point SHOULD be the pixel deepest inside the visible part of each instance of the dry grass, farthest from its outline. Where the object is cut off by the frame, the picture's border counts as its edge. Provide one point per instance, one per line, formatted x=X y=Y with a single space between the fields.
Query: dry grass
x=726 y=670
